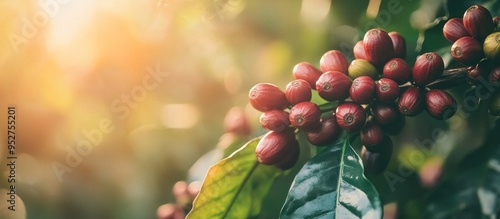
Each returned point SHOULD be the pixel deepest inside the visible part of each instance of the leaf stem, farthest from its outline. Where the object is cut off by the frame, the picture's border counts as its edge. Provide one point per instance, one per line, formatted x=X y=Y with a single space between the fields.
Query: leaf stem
x=255 y=165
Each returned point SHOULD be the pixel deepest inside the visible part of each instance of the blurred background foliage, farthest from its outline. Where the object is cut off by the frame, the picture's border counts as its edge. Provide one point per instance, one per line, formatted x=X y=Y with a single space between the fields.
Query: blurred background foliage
x=67 y=66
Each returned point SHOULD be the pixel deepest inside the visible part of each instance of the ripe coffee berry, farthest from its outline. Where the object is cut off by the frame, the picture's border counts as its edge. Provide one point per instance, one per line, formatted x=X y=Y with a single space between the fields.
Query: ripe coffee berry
x=327 y=132
x=275 y=120
x=334 y=60
x=478 y=21
x=454 y=29
x=362 y=90
x=298 y=91
x=290 y=159
x=375 y=163
x=440 y=104
x=427 y=68
x=399 y=44
x=411 y=102
x=491 y=47
x=378 y=46
x=350 y=116
x=274 y=146
x=359 y=50
x=307 y=72
x=398 y=70
x=371 y=136
x=361 y=67
x=389 y=118
x=386 y=90
x=333 y=85
x=305 y=115
x=266 y=96
x=467 y=51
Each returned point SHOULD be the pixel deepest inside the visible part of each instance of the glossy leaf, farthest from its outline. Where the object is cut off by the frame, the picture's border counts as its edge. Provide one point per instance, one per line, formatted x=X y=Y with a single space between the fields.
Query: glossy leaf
x=332 y=185
x=234 y=187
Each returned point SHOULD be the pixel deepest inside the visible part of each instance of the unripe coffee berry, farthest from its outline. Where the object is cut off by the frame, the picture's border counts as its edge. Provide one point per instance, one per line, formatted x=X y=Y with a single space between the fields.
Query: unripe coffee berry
x=411 y=102
x=386 y=90
x=478 y=21
x=375 y=163
x=298 y=91
x=305 y=115
x=275 y=120
x=333 y=85
x=399 y=44
x=371 y=136
x=454 y=29
x=359 y=50
x=327 y=132
x=350 y=116
x=491 y=47
x=266 y=96
x=333 y=60
x=307 y=72
x=378 y=46
x=398 y=70
x=361 y=67
x=427 y=68
x=440 y=104
x=274 y=146
x=290 y=159
x=467 y=51
x=362 y=90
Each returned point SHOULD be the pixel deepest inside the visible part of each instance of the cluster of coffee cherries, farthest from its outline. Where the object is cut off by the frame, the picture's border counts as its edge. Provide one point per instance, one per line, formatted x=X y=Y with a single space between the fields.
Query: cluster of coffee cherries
x=371 y=95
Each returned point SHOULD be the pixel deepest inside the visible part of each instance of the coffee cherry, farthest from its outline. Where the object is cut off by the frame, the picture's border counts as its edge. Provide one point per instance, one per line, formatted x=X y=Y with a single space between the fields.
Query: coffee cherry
x=478 y=21
x=291 y=158
x=389 y=118
x=399 y=44
x=274 y=146
x=427 y=68
x=170 y=211
x=386 y=90
x=398 y=70
x=482 y=69
x=298 y=91
x=494 y=76
x=378 y=46
x=491 y=47
x=411 y=102
x=266 y=96
x=307 y=72
x=361 y=67
x=467 y=51
x=237 y=122
x=305 y=115
x=375 y=163
x=496 y=20
x=371 y=136
x=350 y=116
x=454 y=29
x=359 y=50
x=440 y=104
x=333 y=86
x=362 y=90
x=494 y=108
x=275 y=120
x=333 y=60
x=327 y=132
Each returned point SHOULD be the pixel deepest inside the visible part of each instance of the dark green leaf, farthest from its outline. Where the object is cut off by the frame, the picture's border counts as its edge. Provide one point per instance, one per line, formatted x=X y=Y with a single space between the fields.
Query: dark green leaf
x=332 y=185
x=235 y=186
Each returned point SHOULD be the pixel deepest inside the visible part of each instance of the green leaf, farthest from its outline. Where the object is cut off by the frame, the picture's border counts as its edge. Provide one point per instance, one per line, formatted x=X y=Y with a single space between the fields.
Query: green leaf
x=332 y=185
x=234 y=187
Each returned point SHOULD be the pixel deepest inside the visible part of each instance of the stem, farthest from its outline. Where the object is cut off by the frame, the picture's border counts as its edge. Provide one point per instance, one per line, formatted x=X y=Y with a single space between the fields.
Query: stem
x=450 y=78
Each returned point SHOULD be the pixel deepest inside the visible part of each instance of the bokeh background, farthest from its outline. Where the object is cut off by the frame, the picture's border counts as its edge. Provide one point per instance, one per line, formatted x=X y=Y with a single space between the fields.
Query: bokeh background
x=163 y=74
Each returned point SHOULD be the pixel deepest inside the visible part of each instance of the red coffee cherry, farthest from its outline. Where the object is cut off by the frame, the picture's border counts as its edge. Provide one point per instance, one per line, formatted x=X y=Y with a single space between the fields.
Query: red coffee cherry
x=478 y=21
x=275 y=120
x=266 y=96
x=327 y=132
x=298 y=91
x=440 y=104
x=274 y=147
x=237 y=122
x=411 y=102
x=375 y=163
x=495 y=75
x=359 y=50
x=386 y=90
x=333 y=86
x=170 y=211
x=491 y=47
x=371 y=136
x=398 y=70
x=334 y=60
x=427 y=68
x=307 y=72
x=467 y=51
x=361 y=67
x=454 y=29
x=362 y=90
x=389 y=118
x=305 y=115
x=399 y=44
x=350 y=116
x=290 y=159
x=496 y=20
x=378 y=46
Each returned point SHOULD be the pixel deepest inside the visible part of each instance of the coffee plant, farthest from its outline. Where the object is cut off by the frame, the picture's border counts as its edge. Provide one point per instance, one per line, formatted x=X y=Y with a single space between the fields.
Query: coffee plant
x=332 y=130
